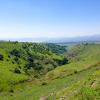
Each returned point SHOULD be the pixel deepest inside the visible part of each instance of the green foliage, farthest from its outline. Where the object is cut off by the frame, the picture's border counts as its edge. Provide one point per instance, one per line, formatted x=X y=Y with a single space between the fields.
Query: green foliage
x=57 y=49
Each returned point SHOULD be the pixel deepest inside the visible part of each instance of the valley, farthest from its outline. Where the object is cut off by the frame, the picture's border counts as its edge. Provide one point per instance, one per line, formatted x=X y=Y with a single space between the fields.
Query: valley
x=30 y=71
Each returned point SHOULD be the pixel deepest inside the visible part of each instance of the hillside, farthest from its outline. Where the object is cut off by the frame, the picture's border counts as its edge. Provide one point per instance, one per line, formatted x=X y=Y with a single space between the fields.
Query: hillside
x=20 y=62
x=76 y=76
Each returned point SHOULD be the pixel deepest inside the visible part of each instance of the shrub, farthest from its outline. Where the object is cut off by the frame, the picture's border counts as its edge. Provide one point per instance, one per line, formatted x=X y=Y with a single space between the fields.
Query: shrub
x=65 y=61
x=8 y=56
x=19 y=67
x=7 y=59
x=15 y=52
x=13 y=62
x=44 y=83
x=30 y=59
x=75 y=72
x=61 y=62
x=11 y=90
x=16 y=70
x=1 y=57
x=17 y=60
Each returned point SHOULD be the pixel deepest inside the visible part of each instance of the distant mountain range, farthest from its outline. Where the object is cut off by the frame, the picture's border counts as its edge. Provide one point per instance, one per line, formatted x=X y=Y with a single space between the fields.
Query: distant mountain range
x=91 y=38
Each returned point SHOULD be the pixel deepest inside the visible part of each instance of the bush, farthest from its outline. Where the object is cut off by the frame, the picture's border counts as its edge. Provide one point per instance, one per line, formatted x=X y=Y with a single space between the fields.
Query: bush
x=13 y=62
x=12 y=91
x=16 y=59
x=44 y=83
x=7 y=60
x=16 y=70
x=8 y=56
x=19 y=67
x=30 y=59
x=15 y=53
x=1 y=57
x=75 y=72
x=61 y=62
x=65 y=61
x=36 y=66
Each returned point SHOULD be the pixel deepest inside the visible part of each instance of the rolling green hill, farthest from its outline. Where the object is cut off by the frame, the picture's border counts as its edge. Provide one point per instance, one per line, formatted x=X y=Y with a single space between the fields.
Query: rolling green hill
x=31 y=71
x=21 y=62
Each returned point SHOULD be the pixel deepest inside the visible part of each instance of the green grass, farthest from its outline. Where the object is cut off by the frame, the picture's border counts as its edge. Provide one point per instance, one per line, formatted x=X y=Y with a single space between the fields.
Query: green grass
x=86 y=57
x=60 y=86
x=7 y=77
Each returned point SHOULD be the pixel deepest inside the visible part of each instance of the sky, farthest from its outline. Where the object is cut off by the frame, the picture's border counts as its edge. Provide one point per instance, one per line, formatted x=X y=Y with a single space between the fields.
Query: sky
x=49 y=18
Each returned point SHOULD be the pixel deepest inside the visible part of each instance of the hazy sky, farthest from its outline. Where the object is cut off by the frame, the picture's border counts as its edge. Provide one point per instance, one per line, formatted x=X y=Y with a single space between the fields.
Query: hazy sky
x=49 y=18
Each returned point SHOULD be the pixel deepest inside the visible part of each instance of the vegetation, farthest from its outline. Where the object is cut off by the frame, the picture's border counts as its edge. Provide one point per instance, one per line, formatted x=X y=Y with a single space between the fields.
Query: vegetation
x=24 y=61
x=1 y=57
x=32 y=71
x=56 y=48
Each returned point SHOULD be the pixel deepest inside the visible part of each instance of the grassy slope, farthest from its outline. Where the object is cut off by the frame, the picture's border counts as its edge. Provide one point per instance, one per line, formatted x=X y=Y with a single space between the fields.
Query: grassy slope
x=7 y=76
x=86 y=57
x=61 y=86
x=67 y=80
